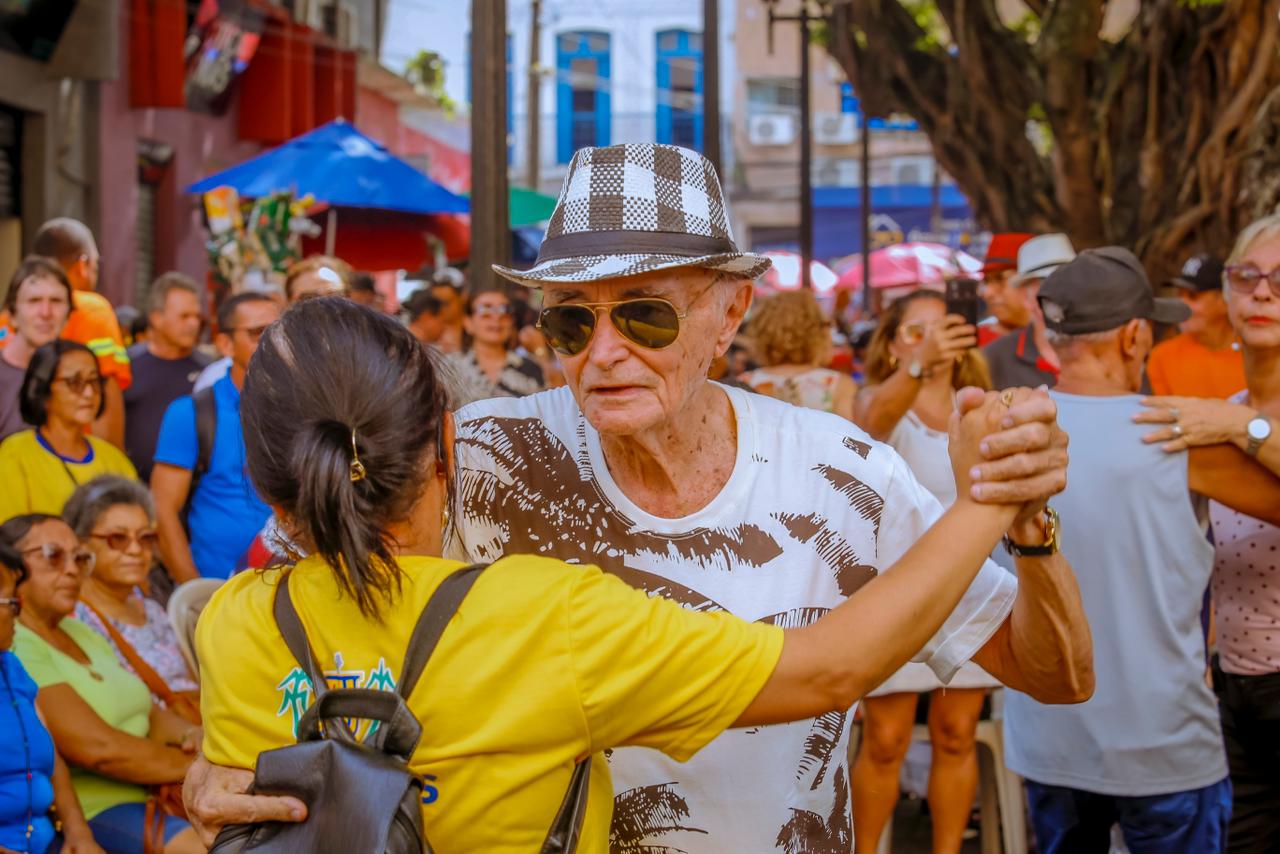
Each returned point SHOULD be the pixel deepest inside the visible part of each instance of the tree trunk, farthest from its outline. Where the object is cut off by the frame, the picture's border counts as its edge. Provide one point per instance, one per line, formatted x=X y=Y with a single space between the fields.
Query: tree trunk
x=1164 y=141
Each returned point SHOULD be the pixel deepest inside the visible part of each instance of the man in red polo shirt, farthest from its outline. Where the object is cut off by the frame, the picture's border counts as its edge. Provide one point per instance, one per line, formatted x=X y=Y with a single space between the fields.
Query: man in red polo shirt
x=1024 y=357
x=1008 y=308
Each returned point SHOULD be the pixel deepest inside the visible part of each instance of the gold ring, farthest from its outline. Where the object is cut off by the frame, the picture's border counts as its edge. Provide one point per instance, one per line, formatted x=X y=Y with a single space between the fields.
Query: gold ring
x=1006 y=397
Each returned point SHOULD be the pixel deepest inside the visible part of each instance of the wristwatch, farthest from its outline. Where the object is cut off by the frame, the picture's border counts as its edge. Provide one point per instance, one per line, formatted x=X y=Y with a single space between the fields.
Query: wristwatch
x=1048 y=547
x=1258 y=431
x=915 y=370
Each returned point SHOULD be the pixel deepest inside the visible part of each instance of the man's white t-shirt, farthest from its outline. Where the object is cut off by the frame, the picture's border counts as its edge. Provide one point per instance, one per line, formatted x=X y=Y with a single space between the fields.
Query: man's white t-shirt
x=813 y=510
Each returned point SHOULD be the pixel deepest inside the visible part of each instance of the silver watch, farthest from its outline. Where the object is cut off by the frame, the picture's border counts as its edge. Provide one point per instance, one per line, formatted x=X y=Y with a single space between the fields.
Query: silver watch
x=1259 y=431
x=915 y=370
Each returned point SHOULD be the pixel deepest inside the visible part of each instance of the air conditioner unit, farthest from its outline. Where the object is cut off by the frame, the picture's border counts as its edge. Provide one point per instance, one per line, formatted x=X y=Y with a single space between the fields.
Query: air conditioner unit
x=835 y=129
x=836 y=172
x=771 y=129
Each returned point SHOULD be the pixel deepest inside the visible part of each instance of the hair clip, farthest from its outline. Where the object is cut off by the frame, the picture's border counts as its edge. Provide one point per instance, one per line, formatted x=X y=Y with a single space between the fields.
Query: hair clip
x=356 y=469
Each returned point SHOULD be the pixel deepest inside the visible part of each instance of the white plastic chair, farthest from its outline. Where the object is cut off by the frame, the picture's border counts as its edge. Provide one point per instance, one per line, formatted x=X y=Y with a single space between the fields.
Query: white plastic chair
x=185 y=605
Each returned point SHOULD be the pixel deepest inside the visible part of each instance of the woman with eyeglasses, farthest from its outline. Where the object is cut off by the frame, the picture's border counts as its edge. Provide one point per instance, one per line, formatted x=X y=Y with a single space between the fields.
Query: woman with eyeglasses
x=792 y=338
x=116 y=741
x=1246 y=572
x=62 y=395
x=33 y=778
x=488 y=365
x=918 y=358
x=114 y=516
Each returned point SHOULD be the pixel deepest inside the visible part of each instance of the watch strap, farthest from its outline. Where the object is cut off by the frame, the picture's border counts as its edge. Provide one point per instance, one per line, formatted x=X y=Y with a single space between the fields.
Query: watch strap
x=1045 y=549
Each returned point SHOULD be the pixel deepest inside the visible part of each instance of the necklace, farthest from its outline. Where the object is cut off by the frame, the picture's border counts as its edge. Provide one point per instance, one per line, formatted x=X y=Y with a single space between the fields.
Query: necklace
x=26 y=752
x=61 y=459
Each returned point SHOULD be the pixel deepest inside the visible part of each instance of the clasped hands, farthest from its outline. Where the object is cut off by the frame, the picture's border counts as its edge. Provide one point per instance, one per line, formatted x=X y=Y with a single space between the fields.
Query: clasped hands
x=1007 y=448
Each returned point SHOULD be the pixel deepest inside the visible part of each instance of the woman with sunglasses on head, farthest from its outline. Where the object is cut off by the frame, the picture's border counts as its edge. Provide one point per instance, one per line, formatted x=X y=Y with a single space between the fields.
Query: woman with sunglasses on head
x=1246 y=573
x=115 y=517
x=918 y=358
x=102 y=719
x=33 y=778
x=546 y=662
x=792 y=339
x=488 y=365
x=62 y=395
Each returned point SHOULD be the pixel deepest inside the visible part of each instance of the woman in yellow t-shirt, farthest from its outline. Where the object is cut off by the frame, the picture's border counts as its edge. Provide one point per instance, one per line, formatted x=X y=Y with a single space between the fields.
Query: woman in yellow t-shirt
x=40 y=468
x=545 y=662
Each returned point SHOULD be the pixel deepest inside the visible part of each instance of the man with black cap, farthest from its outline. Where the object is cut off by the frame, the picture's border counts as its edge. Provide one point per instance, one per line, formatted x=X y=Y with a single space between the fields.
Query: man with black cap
x=1146 y=751
x=1204 y=361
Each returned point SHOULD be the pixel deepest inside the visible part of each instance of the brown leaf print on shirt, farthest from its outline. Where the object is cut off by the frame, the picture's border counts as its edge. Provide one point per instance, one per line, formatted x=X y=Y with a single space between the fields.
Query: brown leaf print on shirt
x=862 y=498
x=862 y=449
x=546 y=502
x=644 y=812
x=834 y=550
x=826 y=731
x=809 y=833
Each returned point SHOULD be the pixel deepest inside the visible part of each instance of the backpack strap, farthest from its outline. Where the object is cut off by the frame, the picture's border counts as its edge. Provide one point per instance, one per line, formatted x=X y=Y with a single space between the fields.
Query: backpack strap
x=567 y=827
x=295 y=636
x=435 y=618
x=206 y=431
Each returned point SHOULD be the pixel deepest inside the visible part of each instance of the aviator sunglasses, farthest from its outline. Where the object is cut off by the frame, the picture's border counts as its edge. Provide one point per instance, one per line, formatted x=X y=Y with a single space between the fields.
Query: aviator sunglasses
x=651 y=322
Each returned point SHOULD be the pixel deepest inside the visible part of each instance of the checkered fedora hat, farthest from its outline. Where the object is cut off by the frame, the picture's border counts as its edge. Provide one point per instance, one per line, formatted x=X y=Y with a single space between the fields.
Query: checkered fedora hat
x=630 y=209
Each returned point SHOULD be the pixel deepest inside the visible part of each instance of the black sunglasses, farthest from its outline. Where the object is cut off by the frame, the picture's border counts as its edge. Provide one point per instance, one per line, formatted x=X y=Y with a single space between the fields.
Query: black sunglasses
x=651 y=322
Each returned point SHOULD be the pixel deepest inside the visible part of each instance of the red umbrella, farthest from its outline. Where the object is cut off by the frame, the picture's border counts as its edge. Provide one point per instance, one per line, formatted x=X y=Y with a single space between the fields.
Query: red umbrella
x=906 y=264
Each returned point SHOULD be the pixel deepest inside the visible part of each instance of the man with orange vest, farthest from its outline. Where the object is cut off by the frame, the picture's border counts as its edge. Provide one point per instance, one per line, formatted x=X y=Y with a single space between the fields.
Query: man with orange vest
x=92 y=321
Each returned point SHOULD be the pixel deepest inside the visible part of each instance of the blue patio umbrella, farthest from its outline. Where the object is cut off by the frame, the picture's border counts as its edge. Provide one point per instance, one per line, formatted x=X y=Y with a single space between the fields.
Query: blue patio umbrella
x=340 y=167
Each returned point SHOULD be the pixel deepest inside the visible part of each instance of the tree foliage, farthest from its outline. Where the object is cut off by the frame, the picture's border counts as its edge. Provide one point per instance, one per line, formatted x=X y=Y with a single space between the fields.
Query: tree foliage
x=425 y=71
x=1161 y=137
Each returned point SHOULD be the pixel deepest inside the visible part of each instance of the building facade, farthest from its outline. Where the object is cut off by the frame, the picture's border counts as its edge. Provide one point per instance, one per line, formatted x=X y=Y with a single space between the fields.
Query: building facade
x=110 y=117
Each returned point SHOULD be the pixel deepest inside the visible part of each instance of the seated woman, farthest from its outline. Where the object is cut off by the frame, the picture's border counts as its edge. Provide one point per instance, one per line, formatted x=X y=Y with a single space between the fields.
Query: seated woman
x=62 y=395
x=116 y=519
x=545 y=662
x=33 y=778
x=792 y=340
x=103 y=722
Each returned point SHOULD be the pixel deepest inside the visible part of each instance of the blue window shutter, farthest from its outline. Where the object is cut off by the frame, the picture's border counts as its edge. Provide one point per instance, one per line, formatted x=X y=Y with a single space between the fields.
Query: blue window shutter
x=677 y=121
x=583 y=102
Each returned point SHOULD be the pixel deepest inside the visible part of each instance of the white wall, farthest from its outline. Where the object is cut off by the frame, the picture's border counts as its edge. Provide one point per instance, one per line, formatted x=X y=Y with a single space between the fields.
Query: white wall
x=413 y=25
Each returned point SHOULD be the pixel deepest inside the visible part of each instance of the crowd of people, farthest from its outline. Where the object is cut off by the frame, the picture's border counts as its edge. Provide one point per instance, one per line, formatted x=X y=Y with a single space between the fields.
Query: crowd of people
x=892 y=520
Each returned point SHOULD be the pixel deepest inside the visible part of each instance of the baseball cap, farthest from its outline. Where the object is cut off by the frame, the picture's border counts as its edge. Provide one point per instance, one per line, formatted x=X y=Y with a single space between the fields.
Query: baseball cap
x=1103 y=289
x=1041 y=255
x=1200 y=273
x=1002 y=252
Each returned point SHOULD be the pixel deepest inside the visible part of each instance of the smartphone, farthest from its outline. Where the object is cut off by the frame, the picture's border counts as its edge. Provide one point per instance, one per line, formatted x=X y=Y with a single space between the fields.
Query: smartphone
x=962 y=299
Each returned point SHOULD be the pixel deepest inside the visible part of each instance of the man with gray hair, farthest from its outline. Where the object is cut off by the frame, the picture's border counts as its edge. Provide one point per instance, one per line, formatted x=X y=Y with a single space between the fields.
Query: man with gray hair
x=165 y=366
x=722 y=500
x=1146 y=751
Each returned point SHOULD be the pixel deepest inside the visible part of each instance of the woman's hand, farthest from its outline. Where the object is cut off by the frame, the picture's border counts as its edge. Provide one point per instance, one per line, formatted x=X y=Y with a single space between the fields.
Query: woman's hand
x=945 y=342
x=1023 y=460
x=1189 y=422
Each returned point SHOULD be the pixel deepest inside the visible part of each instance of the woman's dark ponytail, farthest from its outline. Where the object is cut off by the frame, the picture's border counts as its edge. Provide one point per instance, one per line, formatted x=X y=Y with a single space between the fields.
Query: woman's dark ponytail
x=334 y=384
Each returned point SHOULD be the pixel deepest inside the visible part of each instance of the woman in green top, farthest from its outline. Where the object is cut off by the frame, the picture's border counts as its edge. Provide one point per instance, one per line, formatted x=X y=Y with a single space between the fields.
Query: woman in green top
x=101 y=716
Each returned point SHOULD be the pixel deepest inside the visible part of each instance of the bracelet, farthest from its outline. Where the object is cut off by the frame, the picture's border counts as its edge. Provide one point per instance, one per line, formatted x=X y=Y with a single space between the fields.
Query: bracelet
x=1045 y=549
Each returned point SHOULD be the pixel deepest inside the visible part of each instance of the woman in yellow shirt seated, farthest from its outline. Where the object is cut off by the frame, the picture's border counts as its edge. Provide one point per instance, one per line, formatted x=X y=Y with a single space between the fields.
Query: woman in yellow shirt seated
x=40 y=468
x=545 y=662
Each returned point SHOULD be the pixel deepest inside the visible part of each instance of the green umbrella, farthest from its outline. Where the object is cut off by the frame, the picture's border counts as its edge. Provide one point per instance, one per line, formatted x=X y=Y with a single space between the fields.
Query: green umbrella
x=527 y=207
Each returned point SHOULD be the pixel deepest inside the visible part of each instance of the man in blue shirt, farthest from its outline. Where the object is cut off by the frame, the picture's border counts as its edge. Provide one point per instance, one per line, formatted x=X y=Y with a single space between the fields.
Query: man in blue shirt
x=209 y=535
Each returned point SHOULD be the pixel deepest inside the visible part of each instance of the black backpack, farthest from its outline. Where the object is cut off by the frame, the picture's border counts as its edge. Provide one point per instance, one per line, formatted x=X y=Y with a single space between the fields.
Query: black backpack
x=360 y=795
